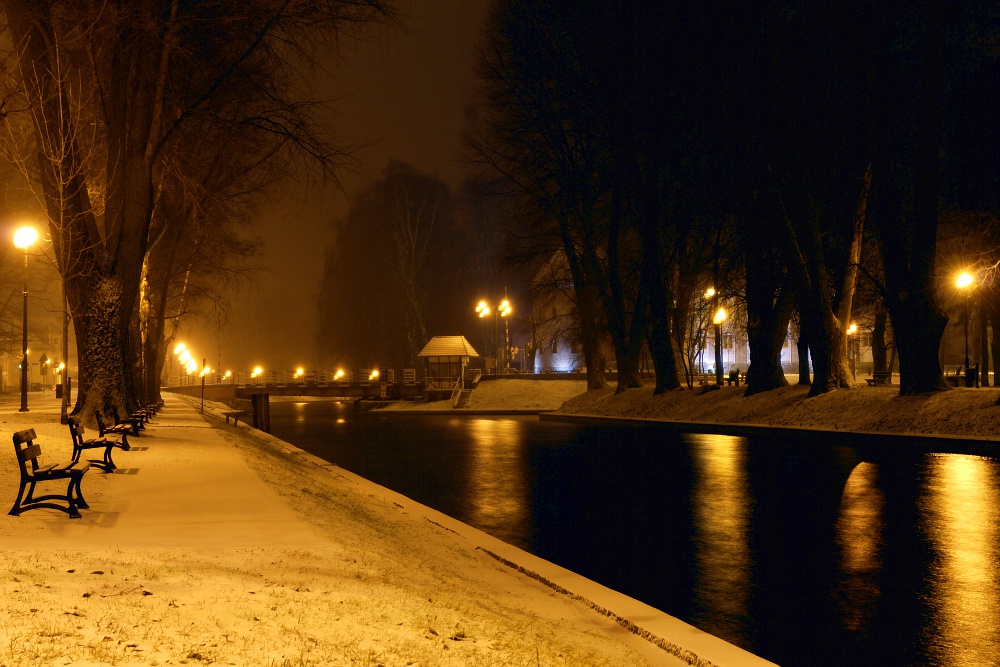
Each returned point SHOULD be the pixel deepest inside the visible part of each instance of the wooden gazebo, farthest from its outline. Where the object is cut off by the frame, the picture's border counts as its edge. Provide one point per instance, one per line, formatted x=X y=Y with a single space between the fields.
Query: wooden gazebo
x=445 y=359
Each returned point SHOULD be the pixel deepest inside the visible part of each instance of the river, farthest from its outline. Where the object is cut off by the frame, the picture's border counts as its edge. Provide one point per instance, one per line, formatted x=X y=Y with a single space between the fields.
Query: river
x=802 y=553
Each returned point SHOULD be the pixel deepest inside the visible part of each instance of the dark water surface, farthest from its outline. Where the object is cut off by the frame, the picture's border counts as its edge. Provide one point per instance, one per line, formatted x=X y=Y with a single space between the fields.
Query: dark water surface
x=801 y=553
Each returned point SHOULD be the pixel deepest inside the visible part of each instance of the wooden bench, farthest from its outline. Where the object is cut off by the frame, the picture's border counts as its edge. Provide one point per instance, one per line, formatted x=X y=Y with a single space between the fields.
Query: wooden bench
x=878 y=378
x=117 y=429
x=135 y=421
x=32 y=473
x=107 y=443
x=734 y=377
x=236 y=415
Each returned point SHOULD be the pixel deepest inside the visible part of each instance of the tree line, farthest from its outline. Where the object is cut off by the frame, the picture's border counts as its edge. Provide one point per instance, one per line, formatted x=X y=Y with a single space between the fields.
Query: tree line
x=806 y=158
x=409 y=261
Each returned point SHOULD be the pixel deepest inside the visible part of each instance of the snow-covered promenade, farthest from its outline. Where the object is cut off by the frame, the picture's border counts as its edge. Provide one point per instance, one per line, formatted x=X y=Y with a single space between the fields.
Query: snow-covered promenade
x=220 y=544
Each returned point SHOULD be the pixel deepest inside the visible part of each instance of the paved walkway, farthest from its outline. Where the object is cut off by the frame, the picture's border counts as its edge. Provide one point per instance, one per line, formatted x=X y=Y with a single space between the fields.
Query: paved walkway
x=182 y=484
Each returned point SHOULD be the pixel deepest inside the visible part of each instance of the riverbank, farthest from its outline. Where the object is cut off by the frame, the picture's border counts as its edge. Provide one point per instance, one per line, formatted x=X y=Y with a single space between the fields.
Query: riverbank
x=960 y=412
x=222 y=544
x=503 y=396
x=969 y=413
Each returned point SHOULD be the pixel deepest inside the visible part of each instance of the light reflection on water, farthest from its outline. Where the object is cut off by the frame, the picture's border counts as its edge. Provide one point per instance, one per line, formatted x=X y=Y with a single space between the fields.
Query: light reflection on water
x=721 y=513
x=802 y=553
x=498 y=493
x=859 y=539
x=961 y=511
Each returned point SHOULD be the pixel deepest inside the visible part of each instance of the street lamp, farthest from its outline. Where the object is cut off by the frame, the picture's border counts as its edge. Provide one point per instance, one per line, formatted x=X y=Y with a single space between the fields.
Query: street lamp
x=503 y=309
x=709 y=293
x=964 y=283
x=24 y=238
x=205 y=370
x=720 y=317
x=484 y=310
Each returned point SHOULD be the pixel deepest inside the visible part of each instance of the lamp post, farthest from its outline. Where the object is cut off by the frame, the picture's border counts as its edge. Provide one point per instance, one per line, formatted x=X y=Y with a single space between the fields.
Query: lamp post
x=852 y=355
x=720 y=317
x=503 y=309
x=709 y=293
x=24 y=238
x=964 y=283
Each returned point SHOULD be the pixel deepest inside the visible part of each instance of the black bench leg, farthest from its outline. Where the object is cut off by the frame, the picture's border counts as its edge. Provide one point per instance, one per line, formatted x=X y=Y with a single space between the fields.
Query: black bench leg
x=109 y=463
x=30 y=496
x=16 y=509
x=80 y=502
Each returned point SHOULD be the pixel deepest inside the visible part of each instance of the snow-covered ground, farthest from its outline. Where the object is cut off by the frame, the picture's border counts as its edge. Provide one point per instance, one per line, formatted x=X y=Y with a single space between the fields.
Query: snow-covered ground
x=960 y=412
x=224 y=545
x=227 y=546
x=508 y=394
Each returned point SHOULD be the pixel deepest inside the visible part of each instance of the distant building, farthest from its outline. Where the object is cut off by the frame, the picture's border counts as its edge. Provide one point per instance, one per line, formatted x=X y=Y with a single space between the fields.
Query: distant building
x=555 y=325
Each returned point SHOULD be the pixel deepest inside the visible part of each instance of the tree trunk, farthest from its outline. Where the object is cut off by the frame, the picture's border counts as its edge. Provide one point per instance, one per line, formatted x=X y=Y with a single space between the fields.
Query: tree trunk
x=660 y=302
x=818 y=319
x=101 y=324
x=769 y=298
x=993 y=312
x=984 y=350
x=845 y=297
x=802 y=346
x=767 y=328
x=879 y=347
x=909 y=243
x=587 y=304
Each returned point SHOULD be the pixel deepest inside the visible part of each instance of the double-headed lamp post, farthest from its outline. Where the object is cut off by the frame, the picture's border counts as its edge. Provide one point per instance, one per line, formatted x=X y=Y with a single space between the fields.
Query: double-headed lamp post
x=964 y=283
x=24 y=238
x=503 y=309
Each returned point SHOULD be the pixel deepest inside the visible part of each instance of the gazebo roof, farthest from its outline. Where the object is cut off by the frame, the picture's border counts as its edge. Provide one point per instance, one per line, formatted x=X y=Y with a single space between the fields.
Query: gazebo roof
x=448 y=346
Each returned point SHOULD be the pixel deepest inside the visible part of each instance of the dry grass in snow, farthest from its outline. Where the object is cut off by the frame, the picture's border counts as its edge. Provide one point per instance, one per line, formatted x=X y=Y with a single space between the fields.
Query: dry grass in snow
x=964 y=412
x=508 y=394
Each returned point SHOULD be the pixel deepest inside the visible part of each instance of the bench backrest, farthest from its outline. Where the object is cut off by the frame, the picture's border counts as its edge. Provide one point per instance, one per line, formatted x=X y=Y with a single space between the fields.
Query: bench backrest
x=100 y=423
x=26 y=450
x=76 y=429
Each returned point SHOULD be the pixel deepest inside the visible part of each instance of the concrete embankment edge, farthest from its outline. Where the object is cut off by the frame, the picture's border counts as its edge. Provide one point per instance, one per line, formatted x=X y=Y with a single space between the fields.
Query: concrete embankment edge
x=931 y=442
x=681 y=640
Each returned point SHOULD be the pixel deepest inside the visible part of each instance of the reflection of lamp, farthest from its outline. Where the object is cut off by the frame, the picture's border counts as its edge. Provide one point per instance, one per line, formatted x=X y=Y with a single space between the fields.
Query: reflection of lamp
x=24 y=238
x=720 y=317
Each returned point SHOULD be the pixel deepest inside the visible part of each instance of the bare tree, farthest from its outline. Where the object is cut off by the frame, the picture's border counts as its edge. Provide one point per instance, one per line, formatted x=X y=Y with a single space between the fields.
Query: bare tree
x=150 y=69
